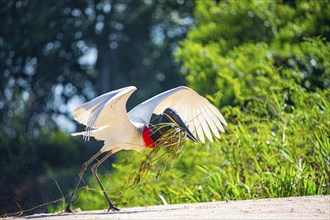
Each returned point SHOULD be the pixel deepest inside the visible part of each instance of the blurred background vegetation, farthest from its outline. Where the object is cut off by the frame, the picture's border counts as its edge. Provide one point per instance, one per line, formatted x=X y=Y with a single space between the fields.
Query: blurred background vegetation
x=264 y=64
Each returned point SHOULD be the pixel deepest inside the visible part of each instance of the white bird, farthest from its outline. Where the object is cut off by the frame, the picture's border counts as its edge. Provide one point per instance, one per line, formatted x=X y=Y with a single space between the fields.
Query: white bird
x=107 y=120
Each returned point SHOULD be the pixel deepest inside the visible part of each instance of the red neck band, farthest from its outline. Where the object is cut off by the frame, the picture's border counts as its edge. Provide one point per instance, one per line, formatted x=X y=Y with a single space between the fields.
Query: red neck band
x=147 y=137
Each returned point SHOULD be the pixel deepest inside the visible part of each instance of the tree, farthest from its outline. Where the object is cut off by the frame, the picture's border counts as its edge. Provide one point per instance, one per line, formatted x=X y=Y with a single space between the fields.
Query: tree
x=57 y=54
x=258 y=32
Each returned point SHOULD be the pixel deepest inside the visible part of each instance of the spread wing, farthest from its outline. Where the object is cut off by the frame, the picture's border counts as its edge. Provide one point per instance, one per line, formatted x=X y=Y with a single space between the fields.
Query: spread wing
x=109 y=108
x=200 y=116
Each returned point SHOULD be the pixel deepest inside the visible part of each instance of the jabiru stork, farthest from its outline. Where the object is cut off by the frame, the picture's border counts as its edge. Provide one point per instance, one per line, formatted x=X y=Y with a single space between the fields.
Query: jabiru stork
x=106 y=119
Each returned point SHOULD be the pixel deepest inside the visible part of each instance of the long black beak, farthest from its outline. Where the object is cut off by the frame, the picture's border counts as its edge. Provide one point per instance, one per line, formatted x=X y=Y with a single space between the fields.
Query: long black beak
x=174 y=117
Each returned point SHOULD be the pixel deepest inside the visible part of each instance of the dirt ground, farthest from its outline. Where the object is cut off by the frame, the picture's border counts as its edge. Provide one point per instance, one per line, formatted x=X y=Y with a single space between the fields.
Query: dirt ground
x=309 y=207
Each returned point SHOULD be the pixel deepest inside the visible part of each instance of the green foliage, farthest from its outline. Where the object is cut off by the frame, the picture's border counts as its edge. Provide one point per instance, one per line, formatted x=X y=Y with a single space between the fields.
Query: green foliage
x=277 y=88
x=266 y=63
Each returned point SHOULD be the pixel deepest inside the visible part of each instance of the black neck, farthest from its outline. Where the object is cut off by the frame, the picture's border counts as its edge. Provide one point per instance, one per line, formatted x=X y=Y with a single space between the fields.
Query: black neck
x=159 y=129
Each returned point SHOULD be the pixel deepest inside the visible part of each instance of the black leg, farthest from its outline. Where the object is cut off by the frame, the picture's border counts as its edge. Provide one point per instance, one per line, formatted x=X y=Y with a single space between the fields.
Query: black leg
x=82 y=171
x=94 y=170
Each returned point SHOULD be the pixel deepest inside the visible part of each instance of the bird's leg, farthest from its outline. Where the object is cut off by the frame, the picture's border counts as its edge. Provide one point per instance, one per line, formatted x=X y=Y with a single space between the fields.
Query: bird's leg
x=94 y=171
x=82 y=171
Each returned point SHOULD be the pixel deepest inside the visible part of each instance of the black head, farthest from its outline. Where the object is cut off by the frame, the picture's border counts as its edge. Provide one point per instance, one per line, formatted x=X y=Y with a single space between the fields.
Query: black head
x=170 y=115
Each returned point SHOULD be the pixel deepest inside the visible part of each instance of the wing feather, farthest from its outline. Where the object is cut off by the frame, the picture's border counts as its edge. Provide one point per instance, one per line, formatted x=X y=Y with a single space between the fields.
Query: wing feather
x=198 y=126
x=206 y=124
x=105 y=109
x=217 y=123
x=191 y=124
x=198 y=113
x=211 y=122
x=203 y=120
x=218 y=114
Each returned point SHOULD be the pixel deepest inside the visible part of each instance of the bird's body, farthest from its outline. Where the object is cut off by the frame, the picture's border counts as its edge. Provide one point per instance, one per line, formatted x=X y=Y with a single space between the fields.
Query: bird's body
x=107 y=120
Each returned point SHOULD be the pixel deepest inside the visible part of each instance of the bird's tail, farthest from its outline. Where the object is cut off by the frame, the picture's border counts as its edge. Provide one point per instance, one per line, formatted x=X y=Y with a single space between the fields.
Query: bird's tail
x=86 y=134
x=78 y=133
x=98 y=134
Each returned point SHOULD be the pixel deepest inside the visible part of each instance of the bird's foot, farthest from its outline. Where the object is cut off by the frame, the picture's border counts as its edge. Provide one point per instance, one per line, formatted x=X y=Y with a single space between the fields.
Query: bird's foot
x=113 y=208
x=67 y=209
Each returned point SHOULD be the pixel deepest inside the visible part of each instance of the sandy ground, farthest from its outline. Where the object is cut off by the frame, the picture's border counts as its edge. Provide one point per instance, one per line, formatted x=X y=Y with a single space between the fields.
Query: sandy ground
x=309 y=207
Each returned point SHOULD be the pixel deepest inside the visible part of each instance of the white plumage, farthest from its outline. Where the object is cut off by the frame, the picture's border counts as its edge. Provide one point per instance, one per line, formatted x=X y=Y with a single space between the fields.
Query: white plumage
x=106 y=117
